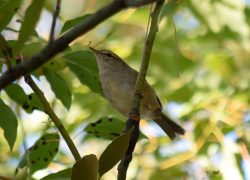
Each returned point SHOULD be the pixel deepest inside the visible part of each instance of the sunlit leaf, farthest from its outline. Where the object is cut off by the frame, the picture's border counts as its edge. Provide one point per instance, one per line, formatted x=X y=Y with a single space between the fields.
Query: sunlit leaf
x=41 y=153
x=62 y=175
x=55 y=64
x=114 y=152
x=173 y=173
x=168 y=8
x=59 y=87
x=72 y=22
x=247 y=14
x=214 y=174
x=83 y=65
x=182 y=94
x=199 y=129
x=7 y=11
x=31 y=49
x=222 y=64
x=16 y=93
x=34 y=103
x=28 y=102
x=22 y=162
x=8 y=123
x=239 y=160
x=31 y=18
x=86 y=168
x=106 y=128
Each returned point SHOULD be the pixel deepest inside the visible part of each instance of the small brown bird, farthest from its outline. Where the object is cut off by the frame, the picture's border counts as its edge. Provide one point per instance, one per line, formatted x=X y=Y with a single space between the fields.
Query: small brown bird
x=118 y=82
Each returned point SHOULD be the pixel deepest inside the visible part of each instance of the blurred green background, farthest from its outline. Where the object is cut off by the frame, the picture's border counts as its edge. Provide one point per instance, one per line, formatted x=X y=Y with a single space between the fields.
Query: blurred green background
x=200 y=68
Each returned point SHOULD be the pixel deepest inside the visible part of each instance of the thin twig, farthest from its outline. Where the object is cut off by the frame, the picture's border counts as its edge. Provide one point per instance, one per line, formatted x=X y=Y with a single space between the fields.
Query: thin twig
x=62 y=42
x=177 y=50
x=53 y=24
x=134 y=117
x=48 y=110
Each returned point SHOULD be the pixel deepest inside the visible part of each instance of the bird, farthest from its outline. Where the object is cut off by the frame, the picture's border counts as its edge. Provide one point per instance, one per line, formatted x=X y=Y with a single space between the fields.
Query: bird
x=118 y=82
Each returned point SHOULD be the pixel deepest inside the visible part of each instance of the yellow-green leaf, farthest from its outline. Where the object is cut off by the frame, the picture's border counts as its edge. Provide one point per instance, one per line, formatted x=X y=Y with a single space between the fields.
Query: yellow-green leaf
x=41 y=153
x=114 y=152
x=62 y=175
x=32 y=15
x=7 y=11
x=8 y=123
x=73 y=22
x=59 y=87
x=83 y=65
x=86 y=168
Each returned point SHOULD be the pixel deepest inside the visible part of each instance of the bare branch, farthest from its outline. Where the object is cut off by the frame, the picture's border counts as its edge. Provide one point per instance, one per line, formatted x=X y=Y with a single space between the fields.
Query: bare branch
x=53 y=24
x=134 y=118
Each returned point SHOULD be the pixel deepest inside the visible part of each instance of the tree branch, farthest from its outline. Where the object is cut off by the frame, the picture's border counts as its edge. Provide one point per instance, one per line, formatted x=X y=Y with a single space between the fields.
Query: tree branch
x=134 y=117
x=62 y=42
x=138 y=3
x=53 y=24
x=48 y=110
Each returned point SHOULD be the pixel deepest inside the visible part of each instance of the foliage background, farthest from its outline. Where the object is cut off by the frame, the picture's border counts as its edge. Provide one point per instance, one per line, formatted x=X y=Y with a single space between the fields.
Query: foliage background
x=210 y=97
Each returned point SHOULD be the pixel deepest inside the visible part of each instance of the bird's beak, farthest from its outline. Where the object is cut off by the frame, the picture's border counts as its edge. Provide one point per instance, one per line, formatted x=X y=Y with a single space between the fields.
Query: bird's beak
x=93 y=50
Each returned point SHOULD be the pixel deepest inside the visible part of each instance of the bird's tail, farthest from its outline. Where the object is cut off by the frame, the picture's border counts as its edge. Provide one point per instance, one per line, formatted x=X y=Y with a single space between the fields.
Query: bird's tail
x=169 y=127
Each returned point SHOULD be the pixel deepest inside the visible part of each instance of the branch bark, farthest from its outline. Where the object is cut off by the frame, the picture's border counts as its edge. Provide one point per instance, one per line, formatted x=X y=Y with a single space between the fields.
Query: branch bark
x=134 y=118
x=62 y=42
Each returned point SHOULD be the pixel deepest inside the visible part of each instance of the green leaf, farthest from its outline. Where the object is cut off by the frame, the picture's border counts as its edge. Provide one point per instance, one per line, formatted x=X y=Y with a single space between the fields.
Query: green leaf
x=83 y=65
x=56 y=64
x=222 y=64
x=16 y=93
x=28 y=102
x=59 y=87
x=172 y=173
x=73 y=22
x=114 y=152
x=86 y=168
x=62 y=175
x=7 y=11
x=238 y=158
x=168 y=8
x=106 y=127
x=199 y=128
x=30 y=49
x=32 y=15
x=182 y=94
x=23 y=162
x=34 y=103
x=41 y=153
x=8 y=122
